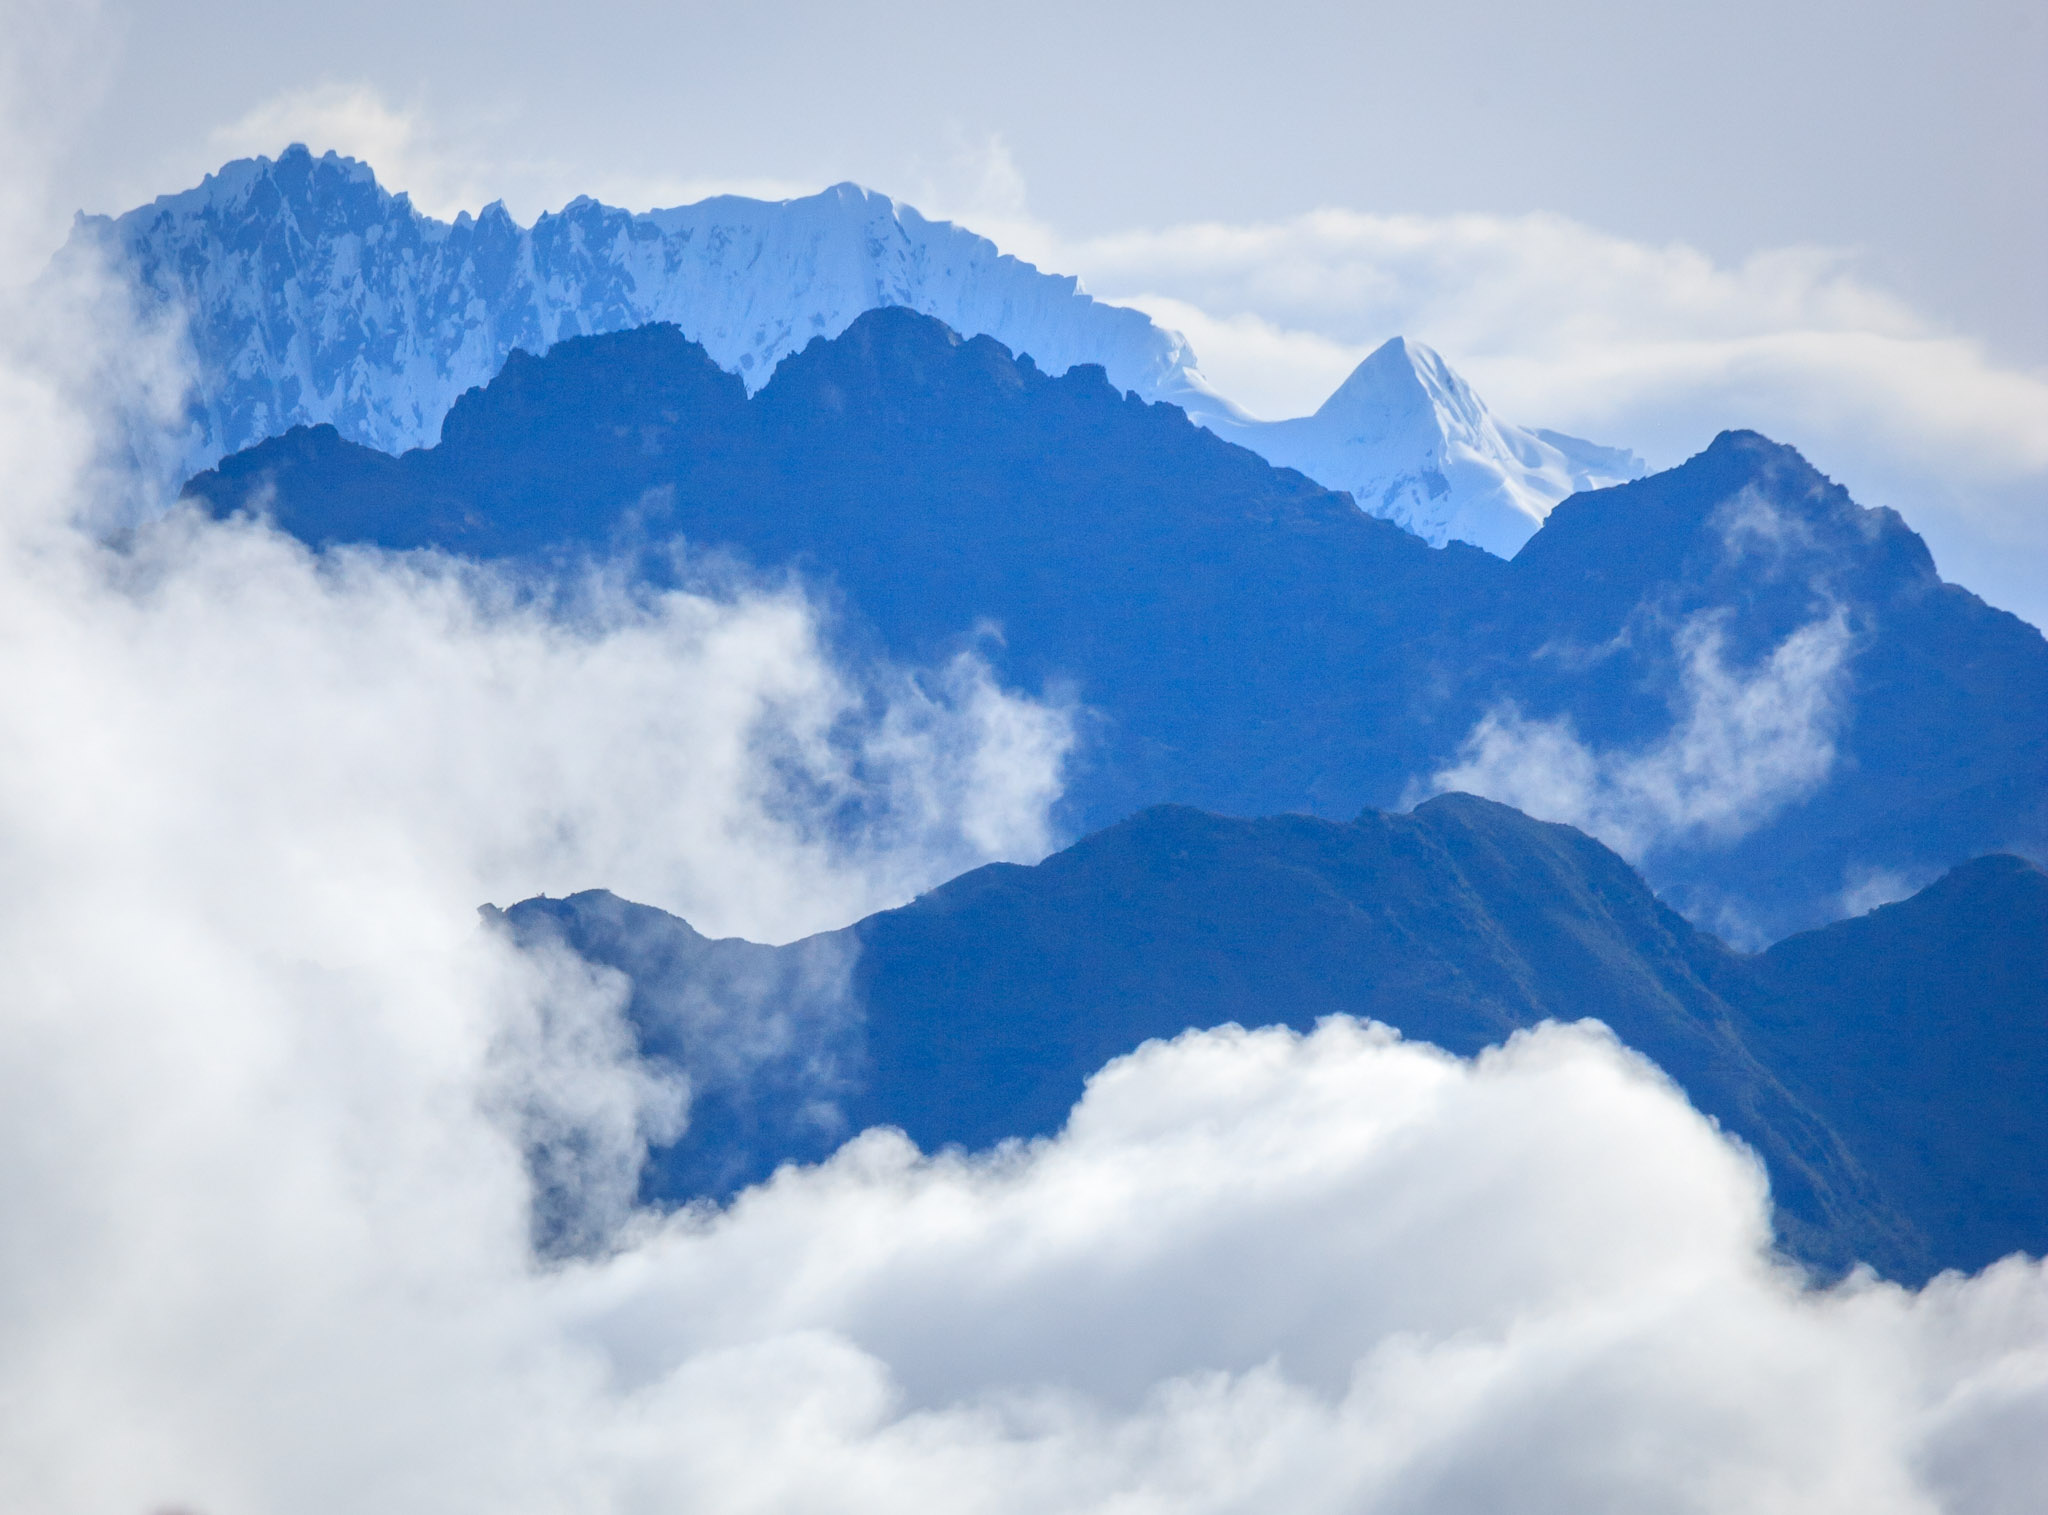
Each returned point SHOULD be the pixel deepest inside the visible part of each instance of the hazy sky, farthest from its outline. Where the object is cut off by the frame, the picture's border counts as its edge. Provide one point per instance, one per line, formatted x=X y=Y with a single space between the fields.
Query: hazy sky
x=1915 y=134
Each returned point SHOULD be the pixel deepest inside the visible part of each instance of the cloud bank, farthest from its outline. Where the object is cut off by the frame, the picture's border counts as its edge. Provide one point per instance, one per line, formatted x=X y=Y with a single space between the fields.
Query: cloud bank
x=255 y=1043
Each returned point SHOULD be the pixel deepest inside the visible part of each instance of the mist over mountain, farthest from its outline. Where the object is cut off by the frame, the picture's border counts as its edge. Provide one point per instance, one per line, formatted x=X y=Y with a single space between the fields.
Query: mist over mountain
x=1887 y=1068
x=1756 y=689
x=311 y=294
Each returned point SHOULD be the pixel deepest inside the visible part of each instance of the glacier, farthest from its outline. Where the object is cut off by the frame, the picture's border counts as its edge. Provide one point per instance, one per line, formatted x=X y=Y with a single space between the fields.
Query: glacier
x=309 y=293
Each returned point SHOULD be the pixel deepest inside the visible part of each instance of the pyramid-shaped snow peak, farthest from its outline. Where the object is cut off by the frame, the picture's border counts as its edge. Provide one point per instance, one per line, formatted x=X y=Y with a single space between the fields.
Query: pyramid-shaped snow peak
x=1402 y=382
x=312 y=294
x=1411 y=441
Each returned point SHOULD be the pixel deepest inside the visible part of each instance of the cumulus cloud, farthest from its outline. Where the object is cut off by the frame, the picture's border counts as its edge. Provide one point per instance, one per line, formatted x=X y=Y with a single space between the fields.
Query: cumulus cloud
x=698 y=749
x=1744 y=744
x=1332 y=1272
x=280 y=1129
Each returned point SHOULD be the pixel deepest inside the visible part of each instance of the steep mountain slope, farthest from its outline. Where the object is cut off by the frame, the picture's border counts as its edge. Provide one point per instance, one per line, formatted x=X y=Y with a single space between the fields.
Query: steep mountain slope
x=1730 y=671
x=1738 y=635
x=1920 y=1032
x=976 y=1012
x=1410 y=441
x=313 y=295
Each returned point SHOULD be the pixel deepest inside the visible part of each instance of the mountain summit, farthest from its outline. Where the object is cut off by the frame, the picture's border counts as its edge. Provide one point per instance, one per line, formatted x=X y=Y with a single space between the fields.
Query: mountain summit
x=1409 y=440
x=313 y=295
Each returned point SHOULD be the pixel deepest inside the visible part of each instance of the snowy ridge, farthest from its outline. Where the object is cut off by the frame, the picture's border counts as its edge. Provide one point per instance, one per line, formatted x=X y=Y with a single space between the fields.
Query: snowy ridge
x=312 y=294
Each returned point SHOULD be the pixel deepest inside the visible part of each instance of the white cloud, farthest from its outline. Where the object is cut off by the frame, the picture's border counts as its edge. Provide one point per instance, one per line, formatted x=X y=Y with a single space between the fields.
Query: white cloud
x=975 y=181
x=268 y=1095
x=1745 y=743
x=403 y=144
x=257 y=1052
x=1265 y=1271
x=1864 y=888
x=1484 y=287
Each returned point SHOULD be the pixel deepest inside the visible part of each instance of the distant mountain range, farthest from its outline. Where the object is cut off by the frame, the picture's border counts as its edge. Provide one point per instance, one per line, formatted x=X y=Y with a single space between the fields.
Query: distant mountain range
x=1756 y=689
x=1888 y=1069
x=312 y=295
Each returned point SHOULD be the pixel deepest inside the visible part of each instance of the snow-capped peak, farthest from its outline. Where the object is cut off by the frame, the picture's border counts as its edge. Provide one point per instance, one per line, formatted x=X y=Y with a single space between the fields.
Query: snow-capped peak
x=313 y=294
x=1413 y=442
x=1401 y=377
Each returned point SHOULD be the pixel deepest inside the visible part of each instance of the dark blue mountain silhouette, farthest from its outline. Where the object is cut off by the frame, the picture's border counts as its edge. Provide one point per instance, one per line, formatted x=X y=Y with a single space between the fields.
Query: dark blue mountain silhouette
x=1919 y=1033
x=1249 y=642
x=1888 y=1069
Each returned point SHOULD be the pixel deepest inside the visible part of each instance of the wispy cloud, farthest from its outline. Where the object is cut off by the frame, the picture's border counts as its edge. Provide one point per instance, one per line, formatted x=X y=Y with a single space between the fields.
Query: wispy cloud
x=402 y=143
x=1744 y=744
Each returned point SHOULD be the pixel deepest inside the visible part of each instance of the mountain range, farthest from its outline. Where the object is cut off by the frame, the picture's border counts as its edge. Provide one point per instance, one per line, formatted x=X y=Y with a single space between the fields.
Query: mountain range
x=1757 y=690
x=1887 y=1069
x=310 y=294
x=1755 y=702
